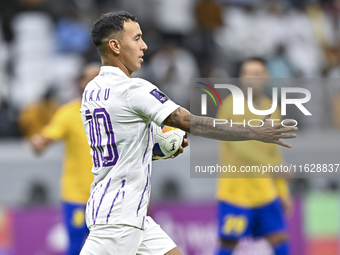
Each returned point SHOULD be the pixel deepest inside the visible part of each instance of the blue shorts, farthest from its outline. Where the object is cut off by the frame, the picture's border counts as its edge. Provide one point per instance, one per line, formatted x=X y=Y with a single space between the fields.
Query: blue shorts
x=74 y=220
x=236 y=222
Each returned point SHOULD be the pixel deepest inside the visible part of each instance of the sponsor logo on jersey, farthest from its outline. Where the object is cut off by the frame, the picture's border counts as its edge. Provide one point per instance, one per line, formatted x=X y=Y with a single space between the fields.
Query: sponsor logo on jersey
x=160 y=96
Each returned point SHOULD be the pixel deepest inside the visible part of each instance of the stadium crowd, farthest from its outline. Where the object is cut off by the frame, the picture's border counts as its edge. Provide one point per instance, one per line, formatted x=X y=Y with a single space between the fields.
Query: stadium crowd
x=44 y=43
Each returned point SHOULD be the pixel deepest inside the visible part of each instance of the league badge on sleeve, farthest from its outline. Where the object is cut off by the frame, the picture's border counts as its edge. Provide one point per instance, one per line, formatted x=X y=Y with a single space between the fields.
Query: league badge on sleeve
x=160 y=96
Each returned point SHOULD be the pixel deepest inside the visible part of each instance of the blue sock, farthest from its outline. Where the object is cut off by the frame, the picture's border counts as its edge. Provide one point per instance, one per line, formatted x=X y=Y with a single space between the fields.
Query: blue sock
x=223 y=251
x=281 y=249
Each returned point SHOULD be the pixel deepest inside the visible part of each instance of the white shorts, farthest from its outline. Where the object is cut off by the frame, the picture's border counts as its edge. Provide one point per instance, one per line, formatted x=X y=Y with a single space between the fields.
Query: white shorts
x=127 y=240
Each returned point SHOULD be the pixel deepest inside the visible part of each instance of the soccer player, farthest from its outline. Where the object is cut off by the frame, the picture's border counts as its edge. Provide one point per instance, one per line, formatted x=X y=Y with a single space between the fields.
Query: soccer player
x=118 y=113
x=76 y=178
x=251 y=206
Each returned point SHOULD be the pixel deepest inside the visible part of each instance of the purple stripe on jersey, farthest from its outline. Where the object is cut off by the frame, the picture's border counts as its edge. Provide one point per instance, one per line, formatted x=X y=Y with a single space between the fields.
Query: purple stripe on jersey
x=93 y=201
x=99 y=137
x=93 y=211
x=146 y=185
x=149 y=175
x=153 y=139
x=95 y=152
x=114 y=200
x=147 y=146
x=101 y=199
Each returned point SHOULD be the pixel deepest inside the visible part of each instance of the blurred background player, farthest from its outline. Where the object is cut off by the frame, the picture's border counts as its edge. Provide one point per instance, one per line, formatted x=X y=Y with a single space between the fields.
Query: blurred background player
x=38 y=114
x=251 y=206
x=76 y=179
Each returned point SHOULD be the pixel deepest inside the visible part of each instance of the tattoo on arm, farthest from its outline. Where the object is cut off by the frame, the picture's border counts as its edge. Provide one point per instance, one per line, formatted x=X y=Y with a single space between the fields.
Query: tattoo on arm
x=179 y=118
x=204 y=126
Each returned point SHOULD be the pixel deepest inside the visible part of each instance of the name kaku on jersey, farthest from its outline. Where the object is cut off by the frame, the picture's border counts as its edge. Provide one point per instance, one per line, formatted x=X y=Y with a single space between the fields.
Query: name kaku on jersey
x=96 y=95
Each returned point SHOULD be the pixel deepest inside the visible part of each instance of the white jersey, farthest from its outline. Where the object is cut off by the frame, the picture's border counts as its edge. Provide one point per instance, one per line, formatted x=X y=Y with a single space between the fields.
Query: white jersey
x=118 y=114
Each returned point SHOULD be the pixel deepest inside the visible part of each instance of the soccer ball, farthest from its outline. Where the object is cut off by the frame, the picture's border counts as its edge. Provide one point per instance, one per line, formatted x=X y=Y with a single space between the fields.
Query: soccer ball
x=167 y=141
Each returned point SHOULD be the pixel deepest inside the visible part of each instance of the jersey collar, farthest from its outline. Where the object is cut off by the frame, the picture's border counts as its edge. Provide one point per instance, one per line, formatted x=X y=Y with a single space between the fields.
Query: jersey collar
x=112 y=69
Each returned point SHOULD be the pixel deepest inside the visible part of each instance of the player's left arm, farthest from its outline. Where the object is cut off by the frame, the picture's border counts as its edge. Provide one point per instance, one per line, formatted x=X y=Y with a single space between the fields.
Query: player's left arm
x=204 y=126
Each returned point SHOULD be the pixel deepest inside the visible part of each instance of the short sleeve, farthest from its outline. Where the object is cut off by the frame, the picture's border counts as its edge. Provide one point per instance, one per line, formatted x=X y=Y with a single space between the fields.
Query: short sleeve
x=57 y=127
x=148 y=101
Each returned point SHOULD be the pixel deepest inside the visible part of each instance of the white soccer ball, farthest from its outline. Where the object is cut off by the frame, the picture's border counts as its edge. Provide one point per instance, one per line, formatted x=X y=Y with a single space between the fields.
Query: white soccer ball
x=167 y=141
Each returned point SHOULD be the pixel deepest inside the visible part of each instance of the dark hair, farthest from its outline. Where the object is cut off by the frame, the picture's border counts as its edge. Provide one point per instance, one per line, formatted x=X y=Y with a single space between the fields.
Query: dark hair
x=109 y=23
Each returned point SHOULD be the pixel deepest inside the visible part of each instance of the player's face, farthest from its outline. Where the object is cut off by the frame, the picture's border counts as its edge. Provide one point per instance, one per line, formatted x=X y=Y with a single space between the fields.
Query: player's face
x=253 y=74
x=132 y=47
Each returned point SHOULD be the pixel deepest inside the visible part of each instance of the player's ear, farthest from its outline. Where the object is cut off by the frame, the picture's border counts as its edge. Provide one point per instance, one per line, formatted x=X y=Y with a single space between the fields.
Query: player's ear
x=114 y=46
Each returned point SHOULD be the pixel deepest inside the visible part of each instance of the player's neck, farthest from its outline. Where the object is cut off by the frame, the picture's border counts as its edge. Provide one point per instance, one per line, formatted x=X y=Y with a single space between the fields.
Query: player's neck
x=115 y=63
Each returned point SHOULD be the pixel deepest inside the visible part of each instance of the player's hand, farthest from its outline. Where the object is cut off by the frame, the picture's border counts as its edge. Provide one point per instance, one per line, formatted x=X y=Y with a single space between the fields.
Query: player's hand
x=185 y=143
x=39 y=142
x=273 y=133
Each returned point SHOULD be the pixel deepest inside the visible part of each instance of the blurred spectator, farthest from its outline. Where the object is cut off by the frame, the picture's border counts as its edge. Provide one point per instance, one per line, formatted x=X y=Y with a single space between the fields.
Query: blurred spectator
x=212 y=70
x=38 y=114
x=208 y=15
x=32 y=50
x=249 y=31
x=322 y=29
x=141 y=9
x=9 y=120
x=171 y=68
x=335 y=101
x=276 y=26
x=4 y=57
x=332 y=9
x=7 y=11
x=73 y=33
x=31 y=2
x=279 y=66
x=332 y=86
x=174 y=16
x=334 y=70
x=303 y=50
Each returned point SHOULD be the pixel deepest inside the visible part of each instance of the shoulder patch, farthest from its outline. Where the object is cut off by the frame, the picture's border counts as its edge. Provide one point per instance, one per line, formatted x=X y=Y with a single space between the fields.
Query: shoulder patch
x=160 y=96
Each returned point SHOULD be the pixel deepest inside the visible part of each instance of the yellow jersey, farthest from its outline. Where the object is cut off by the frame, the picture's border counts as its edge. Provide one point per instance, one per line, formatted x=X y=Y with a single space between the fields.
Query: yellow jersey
x=76 y=178
x=34 y=117
x=249 y=192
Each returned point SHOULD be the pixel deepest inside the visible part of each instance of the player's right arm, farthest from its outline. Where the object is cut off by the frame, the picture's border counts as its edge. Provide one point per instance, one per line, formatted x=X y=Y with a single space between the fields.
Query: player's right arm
x=55 y=130
x=204 y=126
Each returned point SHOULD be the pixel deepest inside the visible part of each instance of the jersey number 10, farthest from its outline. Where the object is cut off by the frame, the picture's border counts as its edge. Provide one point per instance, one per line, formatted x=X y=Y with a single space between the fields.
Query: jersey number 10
x=102 y=139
